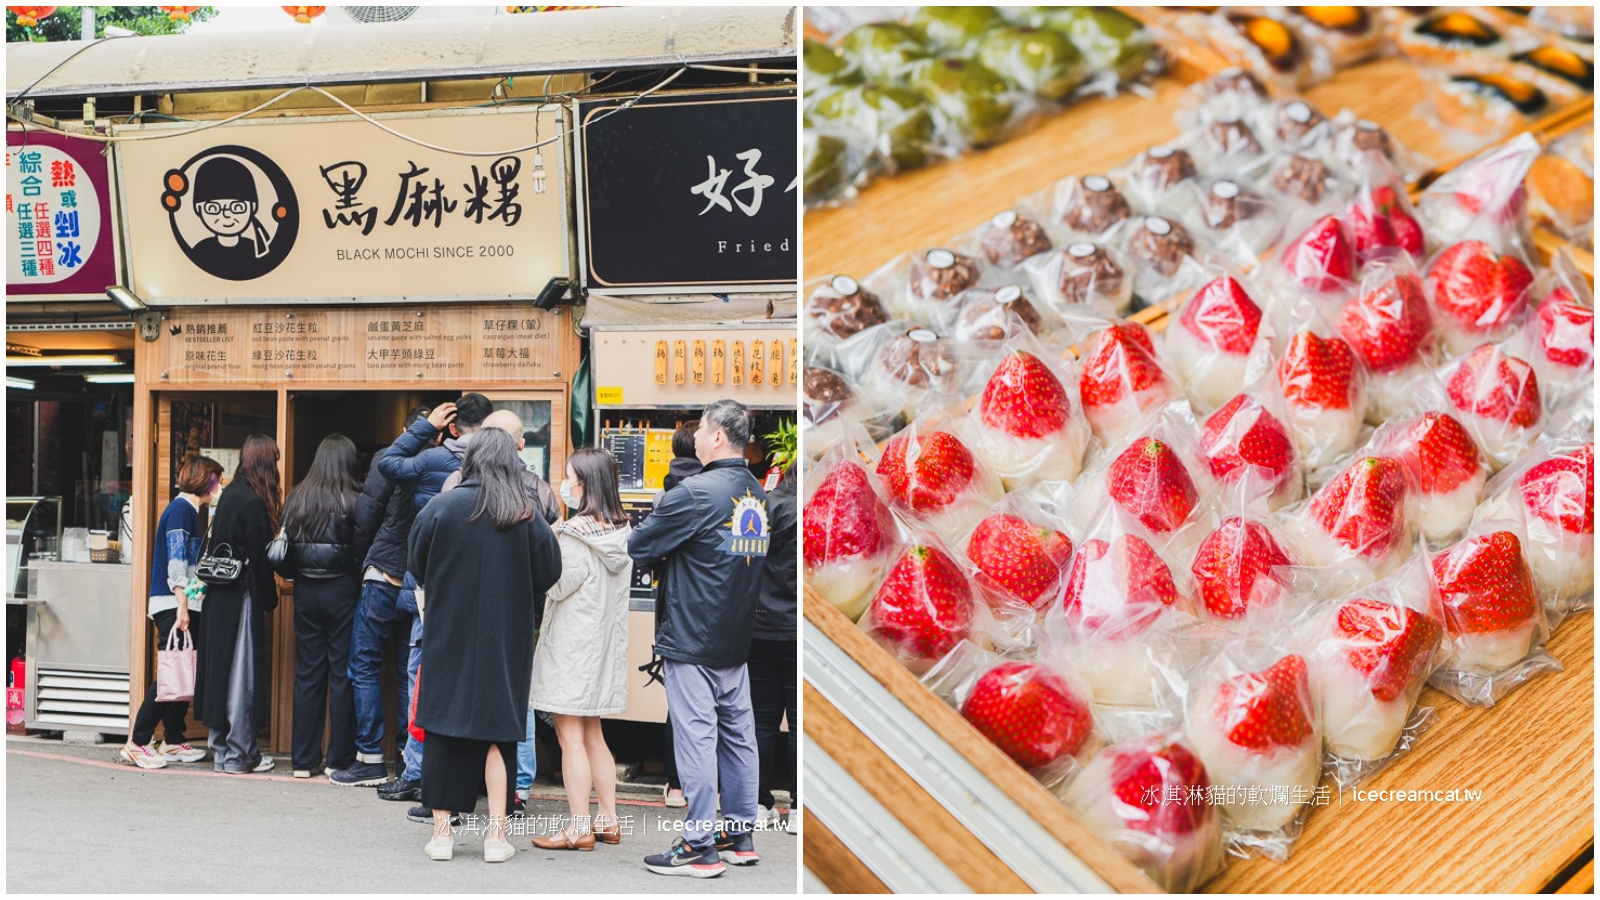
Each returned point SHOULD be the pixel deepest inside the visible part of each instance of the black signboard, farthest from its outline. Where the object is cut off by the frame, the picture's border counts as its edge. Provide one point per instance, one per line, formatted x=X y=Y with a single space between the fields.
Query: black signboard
x=693 y=192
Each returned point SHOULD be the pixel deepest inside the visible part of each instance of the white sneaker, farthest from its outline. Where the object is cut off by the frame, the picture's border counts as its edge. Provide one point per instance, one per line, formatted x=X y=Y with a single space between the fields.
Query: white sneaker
x=765 y=818
x=442 y=849
x=265 y=765
x=496 y=851
x=142 y=756
x=794 y=821
x=180 y=752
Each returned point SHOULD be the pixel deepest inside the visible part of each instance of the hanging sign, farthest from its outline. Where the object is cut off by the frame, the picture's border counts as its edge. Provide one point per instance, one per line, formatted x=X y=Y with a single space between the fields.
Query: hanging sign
x=58 y=218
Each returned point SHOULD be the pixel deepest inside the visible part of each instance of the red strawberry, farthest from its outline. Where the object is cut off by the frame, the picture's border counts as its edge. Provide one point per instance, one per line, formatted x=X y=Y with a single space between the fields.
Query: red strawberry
x=1386 y=326
x=1370 y=231
x=1322 y=259
x=1391 y=225
x=1150 y=481
x=1363 y=507
x=924 y=606
x=1024 y=398
x=1266 y=709
x=1407 y=233
x=1135 y=575
x=1231 y=562
x=1222 y=315
x=1391 y=645
x=1150 y=778
x=1317 y=373
x=940 y=470
x=1478 y=289
x=1029 y=712
x=845 y=519
x=1122 y=360
x=1490 y=384
x=1021 y=557
x=1566 y=330
x=1485 y=585
x=1242 y=433
x=1560 y=491
x=1439 y=452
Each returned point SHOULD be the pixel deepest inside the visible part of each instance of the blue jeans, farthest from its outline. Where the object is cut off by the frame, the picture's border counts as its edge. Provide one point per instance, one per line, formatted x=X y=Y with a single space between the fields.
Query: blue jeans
x=376 y=619
x=413 y=751
x=527 y=763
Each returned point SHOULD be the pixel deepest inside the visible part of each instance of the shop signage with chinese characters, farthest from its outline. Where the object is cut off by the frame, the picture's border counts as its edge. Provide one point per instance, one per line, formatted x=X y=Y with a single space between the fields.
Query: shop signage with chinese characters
x=336 y=209
x=362 y=344
x=696 y=191
x=756 y=366
x=58 y=218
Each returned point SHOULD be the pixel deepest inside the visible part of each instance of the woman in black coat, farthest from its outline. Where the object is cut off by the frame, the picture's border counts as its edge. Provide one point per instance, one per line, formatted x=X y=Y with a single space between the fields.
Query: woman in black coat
x=483 y=559
x=231 y=681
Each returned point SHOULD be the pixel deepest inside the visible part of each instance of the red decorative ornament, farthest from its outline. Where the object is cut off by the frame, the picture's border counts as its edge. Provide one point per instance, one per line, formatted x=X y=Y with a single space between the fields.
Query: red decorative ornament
x=29 y=16
x=178 y=13
x=304 y=14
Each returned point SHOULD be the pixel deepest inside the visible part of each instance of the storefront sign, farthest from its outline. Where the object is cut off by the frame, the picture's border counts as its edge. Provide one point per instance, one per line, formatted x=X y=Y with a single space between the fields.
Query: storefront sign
x=757 y=367
x=58 y=220
x=693 y=192
x=335 y=208
x=454 y=344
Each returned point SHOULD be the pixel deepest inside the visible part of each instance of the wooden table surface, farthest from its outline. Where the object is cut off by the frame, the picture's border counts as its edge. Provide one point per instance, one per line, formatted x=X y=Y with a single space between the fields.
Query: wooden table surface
x=1531 y=756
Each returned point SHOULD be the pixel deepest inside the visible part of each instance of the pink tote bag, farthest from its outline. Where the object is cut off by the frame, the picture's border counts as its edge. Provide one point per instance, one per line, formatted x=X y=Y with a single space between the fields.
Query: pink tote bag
x=175 y=668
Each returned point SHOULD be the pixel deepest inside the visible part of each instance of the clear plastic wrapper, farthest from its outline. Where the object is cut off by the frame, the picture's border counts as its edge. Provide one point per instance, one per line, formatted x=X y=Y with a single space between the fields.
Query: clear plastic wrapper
x=1479 y=107
x=1156 y=173
x=1358 y=142
x=1090 y=208
x=1150 y=799
x=1213 y=335
x=1321 y=259
x=892 y=120
x=1482 y=200
x=1122 y=379
x=1268 y=47
x=1247 y=437
x=827 y=69
x=1042 y=61
x=1450 y=37
x=839 y=308
x=1163 y=255
x=1562 y=333
x=1230 y=95
x=832 y=404
x=1157 y=475
x=1031 y=425
x=1551 y=493
x=1445 y=466
x=1560 y=187
x=1373 y=651
x=1496 y=396
x=932 y=473
x=1236 y=568
x=1365 y=516
x=1230 y=215
x=1495 y=626
x=1081 y=274
x=883 y=51
x=953 y=29
x=1324 y=389
x=973 y=104
x=1111 y=41
x=934 y=282
x=1380 y=218
x=1021 y=552
x=1011 y=237
x=850 y=535
x=834 y=160
x=1386 y=322
x=1302 y=177
x=906 y=362
x=1346 y=34
x=1348 y=774
x=986 y=313
x=1478 y=295
x=925 y=604
x=1291 y=125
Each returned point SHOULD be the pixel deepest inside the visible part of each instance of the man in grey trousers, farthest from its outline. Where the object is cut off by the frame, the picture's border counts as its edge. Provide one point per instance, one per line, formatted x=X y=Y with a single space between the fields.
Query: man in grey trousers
x=708 y=538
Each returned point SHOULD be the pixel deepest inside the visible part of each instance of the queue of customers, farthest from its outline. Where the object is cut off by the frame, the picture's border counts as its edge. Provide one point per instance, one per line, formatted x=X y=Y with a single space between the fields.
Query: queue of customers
x=523 y=612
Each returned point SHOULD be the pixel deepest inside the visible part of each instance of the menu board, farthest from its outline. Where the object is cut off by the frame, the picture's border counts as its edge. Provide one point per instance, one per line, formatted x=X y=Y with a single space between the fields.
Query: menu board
x=628 y=446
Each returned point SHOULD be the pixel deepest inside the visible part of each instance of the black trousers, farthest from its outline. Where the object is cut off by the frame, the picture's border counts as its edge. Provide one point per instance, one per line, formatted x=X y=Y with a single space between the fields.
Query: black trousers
x=324 y=612
x=774 y=692
x=172 y=713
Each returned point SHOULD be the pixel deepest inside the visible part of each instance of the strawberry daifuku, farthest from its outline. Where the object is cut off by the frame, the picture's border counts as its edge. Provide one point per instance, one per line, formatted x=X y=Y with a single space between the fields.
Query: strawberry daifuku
x=1566 y=332
x=849 y=536
x=1211 y=341
x=1030 y=712
x=1115 y=592
x=1030 y=431
x=923 y=608
x=1148 y=797
x=1149 y=481
x=1120 y=381
x=1258 y=729
x=1383 y=223
x=1497 y=397
x=934 y=475
x=1388 y=328
x=1375 y=658
x=1558 y=506
x=1322 y=258
x=1478 y=293
x=1360 y=515
x=1447 y=469
x=1490 y=609
x=1324 y=399
x=1232 y=569
x=1242 y=434
x=1023 y=559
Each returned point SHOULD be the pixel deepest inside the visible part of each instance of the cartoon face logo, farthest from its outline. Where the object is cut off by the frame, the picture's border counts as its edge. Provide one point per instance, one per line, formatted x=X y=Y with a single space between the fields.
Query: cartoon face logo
x=233 y=212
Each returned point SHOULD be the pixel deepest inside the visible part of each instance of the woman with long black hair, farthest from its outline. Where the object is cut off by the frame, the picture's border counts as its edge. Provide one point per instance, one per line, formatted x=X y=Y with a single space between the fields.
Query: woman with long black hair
x=319 y=523
x=483 y=559
x=231 y=687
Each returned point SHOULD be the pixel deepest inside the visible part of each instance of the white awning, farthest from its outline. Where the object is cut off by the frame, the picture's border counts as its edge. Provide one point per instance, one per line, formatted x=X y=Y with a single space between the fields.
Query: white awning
x=664 y=313
x=492 y=46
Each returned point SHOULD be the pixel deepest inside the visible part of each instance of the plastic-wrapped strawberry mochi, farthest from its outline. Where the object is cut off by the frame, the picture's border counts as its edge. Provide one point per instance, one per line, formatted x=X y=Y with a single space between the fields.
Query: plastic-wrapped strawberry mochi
x=1030 y=712
x=1363 y=515
x=1478 y=294
x=1554 y=491
x=1491 y=611
x=1388 y=326
x=1497 y=397
x=932 y=473
x=1253 y=720
x=849 y=534
x=1233 y=567
x=1322 y=259
x=1020 y=553
x=1121 y=380
x=1445 y=467
x=1564 y=350
x=1380 y=221
x=1031 y=426
x=1150 y=481
x=1148 y=797
x=1325 y=397
x=1210 y=343
x=1244 y=433
x=924 y=607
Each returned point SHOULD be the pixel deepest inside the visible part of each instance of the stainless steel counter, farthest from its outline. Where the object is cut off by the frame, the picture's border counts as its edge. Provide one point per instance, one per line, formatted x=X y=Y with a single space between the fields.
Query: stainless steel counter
x=79 y=646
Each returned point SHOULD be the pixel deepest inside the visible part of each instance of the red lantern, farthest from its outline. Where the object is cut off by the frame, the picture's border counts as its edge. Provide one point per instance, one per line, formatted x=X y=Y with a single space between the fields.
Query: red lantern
x=178 y=13
x=304 y=14
x=29 y=16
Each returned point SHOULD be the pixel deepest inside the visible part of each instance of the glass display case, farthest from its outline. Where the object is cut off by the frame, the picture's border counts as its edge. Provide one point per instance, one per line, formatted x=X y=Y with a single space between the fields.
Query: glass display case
x=33 y=531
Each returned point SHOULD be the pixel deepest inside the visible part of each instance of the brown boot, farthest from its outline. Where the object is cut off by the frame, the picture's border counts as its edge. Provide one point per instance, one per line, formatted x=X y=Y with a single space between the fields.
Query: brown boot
x=566 y=839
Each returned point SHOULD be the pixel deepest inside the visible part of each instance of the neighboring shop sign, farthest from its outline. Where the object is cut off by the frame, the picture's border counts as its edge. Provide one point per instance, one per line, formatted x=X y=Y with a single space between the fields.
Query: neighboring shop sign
x=58 y=220
x=358 y=344
x=697 y=191
x=334 y=208
x=758 y=367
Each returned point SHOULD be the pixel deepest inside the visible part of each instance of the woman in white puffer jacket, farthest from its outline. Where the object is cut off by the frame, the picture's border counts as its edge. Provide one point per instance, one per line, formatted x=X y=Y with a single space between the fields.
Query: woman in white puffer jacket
x=580 y=665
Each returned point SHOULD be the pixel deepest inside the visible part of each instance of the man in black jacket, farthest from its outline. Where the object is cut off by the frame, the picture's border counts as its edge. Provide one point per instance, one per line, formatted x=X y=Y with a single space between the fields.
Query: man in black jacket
x=708 y=537
x=774 y=659
x=384 y=514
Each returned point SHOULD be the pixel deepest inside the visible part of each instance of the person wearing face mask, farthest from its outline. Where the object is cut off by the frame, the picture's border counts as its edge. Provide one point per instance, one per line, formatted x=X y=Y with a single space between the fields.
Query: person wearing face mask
x=581 y=663
x=177 y=552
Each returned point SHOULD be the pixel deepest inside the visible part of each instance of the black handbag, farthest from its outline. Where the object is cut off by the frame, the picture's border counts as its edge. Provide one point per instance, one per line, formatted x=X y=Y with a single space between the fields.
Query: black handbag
x=278 y=555
x=220 y=569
